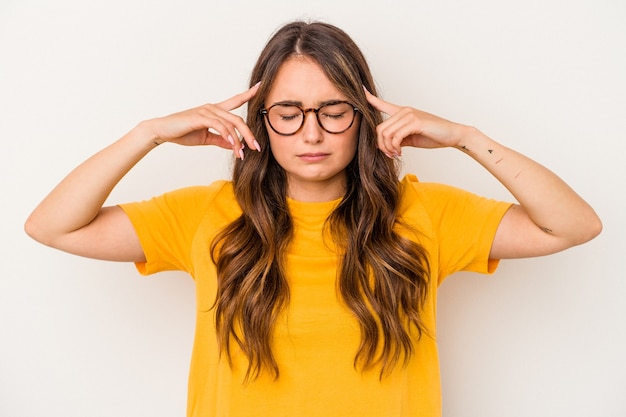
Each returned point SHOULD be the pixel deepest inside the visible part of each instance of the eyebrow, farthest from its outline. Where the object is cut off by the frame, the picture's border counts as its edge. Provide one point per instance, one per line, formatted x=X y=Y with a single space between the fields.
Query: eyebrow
x=299 y=103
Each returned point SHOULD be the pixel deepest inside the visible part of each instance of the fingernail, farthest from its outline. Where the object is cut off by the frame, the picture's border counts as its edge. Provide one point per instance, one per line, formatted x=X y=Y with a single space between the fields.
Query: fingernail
x=231 y=140
x=257 y=146
x=241 y=153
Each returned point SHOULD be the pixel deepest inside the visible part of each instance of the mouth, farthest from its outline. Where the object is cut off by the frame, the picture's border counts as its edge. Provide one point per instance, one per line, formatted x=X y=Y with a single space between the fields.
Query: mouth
x=313 y=156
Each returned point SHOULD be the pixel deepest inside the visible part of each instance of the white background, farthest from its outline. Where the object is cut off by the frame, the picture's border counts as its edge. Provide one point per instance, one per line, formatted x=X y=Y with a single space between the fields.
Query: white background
x=542 y=337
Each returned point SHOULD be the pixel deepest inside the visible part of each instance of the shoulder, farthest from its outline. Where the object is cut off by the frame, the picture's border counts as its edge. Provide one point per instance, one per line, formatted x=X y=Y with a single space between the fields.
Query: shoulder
x=439 y=196
x=186 y=203
x=439 y=202
x=427 y=195
x=198 y=196
x=412 y=189
x=220 y=188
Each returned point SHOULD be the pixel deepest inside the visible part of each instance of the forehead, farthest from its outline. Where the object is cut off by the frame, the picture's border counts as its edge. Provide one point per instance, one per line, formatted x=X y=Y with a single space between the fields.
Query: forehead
x=301 y=80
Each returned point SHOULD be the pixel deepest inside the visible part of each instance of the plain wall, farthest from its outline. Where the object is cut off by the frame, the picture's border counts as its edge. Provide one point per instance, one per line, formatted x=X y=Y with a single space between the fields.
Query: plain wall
x=541 y=337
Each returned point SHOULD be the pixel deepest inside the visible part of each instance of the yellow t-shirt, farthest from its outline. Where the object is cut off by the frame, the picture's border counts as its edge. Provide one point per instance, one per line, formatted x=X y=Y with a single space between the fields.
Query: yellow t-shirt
x=316 y=338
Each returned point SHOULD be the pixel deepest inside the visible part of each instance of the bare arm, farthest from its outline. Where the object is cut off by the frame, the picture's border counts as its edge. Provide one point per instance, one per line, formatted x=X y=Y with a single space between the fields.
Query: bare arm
x=550 y=216
x=72 y=217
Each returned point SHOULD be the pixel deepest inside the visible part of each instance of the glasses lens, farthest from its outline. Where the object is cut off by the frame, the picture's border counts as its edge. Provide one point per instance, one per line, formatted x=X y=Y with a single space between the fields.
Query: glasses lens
x=285 y=119
x=336 y=117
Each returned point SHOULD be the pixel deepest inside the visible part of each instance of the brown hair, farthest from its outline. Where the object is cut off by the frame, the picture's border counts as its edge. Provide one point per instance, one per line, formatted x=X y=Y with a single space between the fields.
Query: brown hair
x=383 y=277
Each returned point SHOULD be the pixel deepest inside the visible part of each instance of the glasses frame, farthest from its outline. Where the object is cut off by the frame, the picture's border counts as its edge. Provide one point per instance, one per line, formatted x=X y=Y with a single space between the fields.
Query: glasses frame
x=265 y=112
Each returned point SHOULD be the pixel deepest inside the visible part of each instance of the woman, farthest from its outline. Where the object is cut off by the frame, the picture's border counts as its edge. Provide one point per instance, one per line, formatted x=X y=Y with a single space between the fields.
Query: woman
x=316 y=268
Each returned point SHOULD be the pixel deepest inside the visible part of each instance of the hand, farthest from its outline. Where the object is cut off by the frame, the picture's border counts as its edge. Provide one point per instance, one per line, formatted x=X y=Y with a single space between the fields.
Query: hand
x=407 y=126
x=210 y=124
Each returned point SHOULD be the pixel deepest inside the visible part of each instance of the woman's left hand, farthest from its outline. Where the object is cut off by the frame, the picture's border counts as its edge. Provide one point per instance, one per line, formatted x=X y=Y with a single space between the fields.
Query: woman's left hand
x=407 y=126
x=551 y=216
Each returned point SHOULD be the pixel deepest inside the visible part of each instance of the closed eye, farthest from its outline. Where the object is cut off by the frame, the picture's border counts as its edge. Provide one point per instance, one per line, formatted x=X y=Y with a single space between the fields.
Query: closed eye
x=334 y=116
x=290 y=117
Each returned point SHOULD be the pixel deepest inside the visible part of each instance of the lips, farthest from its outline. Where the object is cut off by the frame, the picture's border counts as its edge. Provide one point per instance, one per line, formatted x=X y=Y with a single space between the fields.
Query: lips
x=313 y=156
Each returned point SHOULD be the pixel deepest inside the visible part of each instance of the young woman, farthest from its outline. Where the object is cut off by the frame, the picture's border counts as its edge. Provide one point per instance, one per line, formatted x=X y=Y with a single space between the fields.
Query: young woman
x=316 y=267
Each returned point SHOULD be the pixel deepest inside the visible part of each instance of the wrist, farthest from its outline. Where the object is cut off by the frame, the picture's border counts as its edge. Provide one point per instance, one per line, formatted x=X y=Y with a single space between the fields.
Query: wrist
x=473 y=141
x=145 y=133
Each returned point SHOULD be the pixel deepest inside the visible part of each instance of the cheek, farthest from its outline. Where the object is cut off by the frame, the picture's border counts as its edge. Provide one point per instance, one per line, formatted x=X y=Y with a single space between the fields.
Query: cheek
x=351 y=148
x=278 y=146
x=351 y=143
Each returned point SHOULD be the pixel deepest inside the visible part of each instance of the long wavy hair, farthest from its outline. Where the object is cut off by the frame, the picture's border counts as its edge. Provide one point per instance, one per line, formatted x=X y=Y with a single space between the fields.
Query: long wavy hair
x=383 y=277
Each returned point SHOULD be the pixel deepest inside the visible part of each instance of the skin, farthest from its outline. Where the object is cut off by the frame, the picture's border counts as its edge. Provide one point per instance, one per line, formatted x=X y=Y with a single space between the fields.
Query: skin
x=313 y=159
x=72 y=217
x=550 y=216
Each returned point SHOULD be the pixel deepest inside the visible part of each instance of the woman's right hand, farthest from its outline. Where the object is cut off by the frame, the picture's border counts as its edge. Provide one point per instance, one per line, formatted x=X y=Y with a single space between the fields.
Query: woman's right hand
x=210 y=124
x=72 y=217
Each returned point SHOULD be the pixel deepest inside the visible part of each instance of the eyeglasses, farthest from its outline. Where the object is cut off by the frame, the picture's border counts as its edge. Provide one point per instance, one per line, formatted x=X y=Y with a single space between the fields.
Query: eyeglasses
x=287 y=119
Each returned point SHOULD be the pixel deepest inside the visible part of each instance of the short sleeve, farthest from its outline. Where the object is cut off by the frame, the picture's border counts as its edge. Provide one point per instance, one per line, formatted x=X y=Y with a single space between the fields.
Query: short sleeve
x=463 y=226
x=166 y=226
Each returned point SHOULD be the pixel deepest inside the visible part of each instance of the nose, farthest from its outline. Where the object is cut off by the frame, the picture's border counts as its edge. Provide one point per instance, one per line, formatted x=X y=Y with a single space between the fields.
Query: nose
x=311 y=130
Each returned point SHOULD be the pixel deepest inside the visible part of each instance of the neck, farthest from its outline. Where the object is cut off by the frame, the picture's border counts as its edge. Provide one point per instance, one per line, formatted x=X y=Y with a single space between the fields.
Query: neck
x=316 y=191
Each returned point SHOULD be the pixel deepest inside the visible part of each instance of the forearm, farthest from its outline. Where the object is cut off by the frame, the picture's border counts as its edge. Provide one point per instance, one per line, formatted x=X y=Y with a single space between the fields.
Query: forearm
x=550 y=203
x=78 y=198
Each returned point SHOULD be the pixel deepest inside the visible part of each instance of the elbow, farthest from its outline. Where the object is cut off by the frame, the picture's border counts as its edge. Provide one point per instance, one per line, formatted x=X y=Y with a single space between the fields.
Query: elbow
x=30 y=228
x=35 y=231
x=595 y=228
x=592 y=228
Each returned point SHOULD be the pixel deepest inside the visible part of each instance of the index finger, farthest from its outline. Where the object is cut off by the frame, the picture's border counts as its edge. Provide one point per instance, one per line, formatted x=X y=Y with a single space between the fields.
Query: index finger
x=240 y=99
x=245 y=134
x=380 y=104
